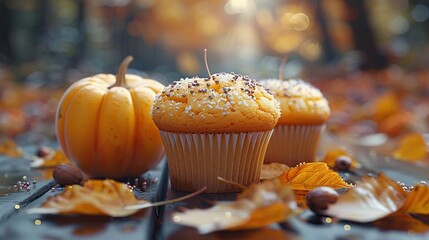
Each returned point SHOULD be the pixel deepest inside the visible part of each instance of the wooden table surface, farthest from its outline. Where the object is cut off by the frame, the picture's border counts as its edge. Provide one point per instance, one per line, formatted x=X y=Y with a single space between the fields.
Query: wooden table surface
x=156 y=223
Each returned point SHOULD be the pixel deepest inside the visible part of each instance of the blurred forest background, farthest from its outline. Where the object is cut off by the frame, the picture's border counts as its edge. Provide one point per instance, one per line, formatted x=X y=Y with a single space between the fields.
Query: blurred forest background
x=370 y=58
x=56 y=42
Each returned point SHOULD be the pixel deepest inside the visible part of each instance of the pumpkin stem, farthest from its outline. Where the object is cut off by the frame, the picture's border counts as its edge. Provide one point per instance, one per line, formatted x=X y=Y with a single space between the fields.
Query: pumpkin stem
x=120 y=76
x=205 y=61
x=281 y=68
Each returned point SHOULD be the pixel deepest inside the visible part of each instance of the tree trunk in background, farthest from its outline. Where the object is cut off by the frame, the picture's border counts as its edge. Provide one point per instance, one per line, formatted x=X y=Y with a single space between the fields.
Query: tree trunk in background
x=364 y=40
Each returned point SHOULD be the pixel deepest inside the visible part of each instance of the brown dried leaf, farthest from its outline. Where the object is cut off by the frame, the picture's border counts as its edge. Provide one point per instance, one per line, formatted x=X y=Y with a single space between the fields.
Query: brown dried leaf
x=412 y=147
x=272 y=170
x=311 y=175
x=258 y=206
x=53 y=159
x=9 y=148
x=98 y=197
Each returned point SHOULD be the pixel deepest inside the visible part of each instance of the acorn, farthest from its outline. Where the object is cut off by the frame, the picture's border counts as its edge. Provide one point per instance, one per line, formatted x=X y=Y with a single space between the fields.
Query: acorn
x=343 y=163
x=67 y=174
x=318 y=199
x=43 y=151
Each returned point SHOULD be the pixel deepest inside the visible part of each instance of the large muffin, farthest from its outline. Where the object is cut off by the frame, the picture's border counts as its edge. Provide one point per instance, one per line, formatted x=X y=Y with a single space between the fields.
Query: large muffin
x=304 y=113
x=216 y=126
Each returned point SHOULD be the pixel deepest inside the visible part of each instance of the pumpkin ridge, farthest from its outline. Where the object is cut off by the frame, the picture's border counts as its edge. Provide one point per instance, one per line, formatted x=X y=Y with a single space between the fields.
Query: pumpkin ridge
x=97 y=161
x=63 y=107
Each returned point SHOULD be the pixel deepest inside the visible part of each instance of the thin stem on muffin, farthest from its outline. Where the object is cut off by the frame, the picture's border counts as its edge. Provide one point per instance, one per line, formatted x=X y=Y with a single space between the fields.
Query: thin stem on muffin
x=205 y=61
x=281 y=67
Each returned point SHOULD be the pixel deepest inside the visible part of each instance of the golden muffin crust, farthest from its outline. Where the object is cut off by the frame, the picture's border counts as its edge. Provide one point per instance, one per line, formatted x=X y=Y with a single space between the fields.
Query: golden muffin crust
x=301 y=103
x=222 y=103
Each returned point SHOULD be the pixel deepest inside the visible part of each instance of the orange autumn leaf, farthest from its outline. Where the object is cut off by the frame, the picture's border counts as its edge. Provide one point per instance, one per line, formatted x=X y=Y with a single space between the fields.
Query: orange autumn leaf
x=311 y=175
x=385 y=106
x=264 y=216
x=272 y=170
x=333 y=154
x=417 y=200
x=412 y=147
x=98 y=197
x=394 y=124
x=53 y=159
x=10 y=149
x=258 y=206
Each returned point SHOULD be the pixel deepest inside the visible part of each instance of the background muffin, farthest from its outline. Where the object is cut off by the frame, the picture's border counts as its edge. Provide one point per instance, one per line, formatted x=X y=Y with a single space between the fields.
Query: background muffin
x=216 y=126
x=304 y=114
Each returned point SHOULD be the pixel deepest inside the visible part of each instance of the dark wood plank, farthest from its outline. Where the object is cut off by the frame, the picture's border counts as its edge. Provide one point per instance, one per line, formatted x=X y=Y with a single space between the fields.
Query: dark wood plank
x=34 y=226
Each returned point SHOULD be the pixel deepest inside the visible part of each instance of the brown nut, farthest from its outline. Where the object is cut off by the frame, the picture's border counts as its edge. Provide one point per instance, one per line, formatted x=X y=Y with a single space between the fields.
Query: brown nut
x=319 y=198
x=67 y=174
x=43 y=151
x=343 y=163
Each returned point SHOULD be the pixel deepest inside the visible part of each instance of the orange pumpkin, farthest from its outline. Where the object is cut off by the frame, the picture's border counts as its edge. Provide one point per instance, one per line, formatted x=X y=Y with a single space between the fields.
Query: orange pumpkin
x=104 y=126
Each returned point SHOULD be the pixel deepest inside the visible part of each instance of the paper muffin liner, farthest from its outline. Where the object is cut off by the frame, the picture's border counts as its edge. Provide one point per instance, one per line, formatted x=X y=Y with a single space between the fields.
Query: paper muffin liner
x=294 y=144
x=196 y=160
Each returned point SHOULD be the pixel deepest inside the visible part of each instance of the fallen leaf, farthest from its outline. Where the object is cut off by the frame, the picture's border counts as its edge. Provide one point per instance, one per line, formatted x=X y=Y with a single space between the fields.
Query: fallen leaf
x=417 y=200
x=385 y=106
x=401 y=222
x=300 y=198
x=332 y=155
x=412 y=147
x=397 y=122
x=9 y=148
x=272 y=170
x=311 y=175
x=375 y=198
x=53 y=159
x=371 y=199
x=98 y=197
x=258 y=206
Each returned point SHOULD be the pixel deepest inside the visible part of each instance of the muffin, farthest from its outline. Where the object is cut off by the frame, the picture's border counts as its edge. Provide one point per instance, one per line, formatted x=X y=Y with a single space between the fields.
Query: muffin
x=304 y=114
x=215 y=127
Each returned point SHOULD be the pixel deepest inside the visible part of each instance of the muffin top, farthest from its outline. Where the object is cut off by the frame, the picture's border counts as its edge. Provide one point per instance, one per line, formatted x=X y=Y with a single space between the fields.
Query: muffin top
x=222 y=103
x=301 y=103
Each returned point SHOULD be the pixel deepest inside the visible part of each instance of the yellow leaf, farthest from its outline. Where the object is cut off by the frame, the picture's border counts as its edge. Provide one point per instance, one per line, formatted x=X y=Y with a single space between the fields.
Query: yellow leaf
x=98 y=197
x=417 y=200
x=412 y=147
x=333 y=154
x=272 y=170
x=53 y=159
x=10 y=149
x=258 y=206
x=311 y=175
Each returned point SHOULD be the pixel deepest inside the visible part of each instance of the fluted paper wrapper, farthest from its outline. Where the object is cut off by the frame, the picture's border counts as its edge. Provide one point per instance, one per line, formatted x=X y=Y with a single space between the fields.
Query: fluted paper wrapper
x=294 y=144
x=196 y=160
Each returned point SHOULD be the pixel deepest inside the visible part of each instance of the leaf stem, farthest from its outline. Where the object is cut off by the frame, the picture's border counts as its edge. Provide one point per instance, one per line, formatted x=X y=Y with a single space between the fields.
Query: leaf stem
x=232 y=183
x=146 y=205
